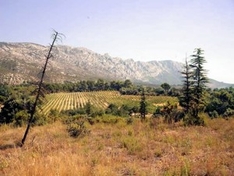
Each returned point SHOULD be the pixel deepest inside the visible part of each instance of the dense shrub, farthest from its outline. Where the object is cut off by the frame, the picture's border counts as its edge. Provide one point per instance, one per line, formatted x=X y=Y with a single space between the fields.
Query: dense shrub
x=220 y=103
x=169 y=112
x=191 y=120
x=229 y=112
x=76 y=126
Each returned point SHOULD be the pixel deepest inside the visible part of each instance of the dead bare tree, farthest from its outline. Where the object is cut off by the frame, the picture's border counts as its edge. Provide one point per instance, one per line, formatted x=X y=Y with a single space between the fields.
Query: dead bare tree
x=56 y=36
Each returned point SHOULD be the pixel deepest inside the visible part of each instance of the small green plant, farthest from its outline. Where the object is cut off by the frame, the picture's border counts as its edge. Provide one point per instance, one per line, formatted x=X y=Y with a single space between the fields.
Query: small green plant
x=213 y=114
x=76 y=127
x=132 y=145
x=171 y=113
x=54 y=115
x=40 y=120
x=129 y=120
x=20 y=118
x=228 y=112
x=191 y=120
x=185 y=169
x=3 y=163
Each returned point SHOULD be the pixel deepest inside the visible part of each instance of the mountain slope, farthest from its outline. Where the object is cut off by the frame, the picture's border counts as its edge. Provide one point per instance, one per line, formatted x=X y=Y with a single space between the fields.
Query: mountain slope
x=21 y=62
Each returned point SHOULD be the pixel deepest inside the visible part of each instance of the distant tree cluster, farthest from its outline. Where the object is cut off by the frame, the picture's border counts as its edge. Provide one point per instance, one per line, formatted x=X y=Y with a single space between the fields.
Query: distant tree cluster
x=124 y=87
x=16 y=103
x=89 y=85
x=220 y=103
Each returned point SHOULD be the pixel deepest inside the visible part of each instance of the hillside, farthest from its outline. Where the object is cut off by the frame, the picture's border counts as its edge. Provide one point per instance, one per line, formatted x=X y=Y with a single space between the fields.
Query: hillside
x=20 y=62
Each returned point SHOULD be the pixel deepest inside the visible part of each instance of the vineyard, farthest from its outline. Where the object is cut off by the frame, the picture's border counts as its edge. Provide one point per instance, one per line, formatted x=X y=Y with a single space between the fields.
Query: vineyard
x=99 y=99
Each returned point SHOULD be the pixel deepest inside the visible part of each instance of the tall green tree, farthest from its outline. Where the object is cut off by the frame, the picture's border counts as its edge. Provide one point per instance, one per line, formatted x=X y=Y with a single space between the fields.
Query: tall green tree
x=166 y=87
x=194 y=88
x=128 y=83
x=199 y=78
x=100 y=84
x=143 y=105
x=186 y=96
x=4 y=93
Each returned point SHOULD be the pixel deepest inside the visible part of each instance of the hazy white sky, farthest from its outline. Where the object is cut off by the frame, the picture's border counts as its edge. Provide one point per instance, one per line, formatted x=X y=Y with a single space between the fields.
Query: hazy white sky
x=139 y=29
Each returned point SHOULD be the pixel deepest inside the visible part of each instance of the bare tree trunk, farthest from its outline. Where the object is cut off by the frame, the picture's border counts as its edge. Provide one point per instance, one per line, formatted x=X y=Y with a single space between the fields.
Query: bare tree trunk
x=39 y=90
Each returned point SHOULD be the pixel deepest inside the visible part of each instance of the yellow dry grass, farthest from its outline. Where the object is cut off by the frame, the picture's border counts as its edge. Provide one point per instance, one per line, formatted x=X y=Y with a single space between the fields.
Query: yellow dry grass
x=149 y=148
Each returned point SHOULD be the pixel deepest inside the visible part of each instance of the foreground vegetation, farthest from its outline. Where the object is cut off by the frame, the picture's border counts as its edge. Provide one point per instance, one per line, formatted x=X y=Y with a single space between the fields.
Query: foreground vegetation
x=114 y=147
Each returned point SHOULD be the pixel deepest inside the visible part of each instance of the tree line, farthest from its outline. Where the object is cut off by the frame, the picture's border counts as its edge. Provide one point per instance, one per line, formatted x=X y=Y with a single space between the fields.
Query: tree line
x=125 y=87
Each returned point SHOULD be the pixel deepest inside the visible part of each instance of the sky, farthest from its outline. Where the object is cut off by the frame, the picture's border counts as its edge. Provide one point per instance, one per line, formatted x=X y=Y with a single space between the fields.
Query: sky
x=142 y=30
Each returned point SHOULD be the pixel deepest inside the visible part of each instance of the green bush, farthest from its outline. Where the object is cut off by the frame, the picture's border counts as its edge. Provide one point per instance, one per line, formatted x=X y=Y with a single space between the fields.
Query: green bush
x=88 y=110
x=228 y=112
x=40 y=119
x=190 y=120
x=21 y=118
x=213 y=114
x=55 y=115
x=129 y=120
x=76 y=126
x=77 y=129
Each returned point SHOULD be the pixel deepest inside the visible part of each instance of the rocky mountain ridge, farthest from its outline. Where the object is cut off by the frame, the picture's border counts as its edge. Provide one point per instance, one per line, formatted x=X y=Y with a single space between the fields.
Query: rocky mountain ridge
x=20 y=62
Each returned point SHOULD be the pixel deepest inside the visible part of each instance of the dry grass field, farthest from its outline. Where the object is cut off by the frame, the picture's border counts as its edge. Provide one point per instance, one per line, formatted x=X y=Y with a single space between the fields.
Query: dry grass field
x=141 y=148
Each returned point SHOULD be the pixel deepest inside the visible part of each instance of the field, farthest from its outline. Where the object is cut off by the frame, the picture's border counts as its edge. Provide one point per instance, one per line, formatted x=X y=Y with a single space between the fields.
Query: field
x=99 y=99
x=113 y=146
x=151 y=148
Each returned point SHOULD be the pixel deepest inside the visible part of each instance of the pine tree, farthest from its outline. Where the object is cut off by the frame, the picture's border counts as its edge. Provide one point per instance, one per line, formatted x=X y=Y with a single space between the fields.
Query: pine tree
x=199 y=77
x=194 y=85
x=143 y=105
x=199 y=80
x=186 y=96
